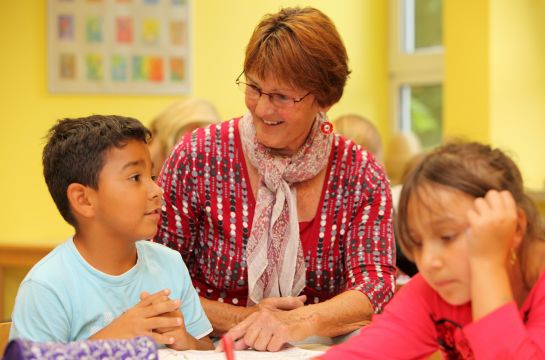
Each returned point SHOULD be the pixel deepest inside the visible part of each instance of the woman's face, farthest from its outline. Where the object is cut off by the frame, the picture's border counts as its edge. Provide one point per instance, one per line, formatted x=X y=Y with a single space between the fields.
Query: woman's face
x=437 y=218
x=282 y=129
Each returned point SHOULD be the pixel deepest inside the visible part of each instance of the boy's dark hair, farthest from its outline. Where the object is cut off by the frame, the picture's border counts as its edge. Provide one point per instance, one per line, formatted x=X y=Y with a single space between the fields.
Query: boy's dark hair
x=474 y=169
x=75 y=152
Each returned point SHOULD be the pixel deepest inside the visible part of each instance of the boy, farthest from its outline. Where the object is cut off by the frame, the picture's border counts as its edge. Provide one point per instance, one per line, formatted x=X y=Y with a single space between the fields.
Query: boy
x=103 y=283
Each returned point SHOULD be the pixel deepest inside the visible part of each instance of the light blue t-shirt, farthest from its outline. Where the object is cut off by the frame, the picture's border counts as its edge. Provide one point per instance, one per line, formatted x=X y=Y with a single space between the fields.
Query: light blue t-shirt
x=63 y=298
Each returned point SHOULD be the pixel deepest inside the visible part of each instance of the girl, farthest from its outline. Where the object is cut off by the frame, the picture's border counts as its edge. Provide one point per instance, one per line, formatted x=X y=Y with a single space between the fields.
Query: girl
x=476 y=239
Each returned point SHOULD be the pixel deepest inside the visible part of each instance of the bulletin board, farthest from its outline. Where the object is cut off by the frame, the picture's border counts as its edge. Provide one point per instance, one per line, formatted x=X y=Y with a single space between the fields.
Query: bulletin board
x=119 y=46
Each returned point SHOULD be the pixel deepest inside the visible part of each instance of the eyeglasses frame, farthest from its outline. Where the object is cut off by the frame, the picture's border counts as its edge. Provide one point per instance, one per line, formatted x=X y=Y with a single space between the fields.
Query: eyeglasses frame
x=261 y=92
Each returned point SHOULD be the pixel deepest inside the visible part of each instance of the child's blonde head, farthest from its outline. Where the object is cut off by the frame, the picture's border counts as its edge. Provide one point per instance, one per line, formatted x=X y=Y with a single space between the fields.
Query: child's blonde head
x=177 y=119
x=361 y=131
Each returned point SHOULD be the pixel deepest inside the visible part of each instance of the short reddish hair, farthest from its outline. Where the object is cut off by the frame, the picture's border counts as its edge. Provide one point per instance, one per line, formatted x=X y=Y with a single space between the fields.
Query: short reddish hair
x=300 y=46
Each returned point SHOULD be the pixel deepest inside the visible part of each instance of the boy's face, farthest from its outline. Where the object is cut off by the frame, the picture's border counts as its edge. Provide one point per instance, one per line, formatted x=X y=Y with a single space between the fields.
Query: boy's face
x=128 y=201
x=437 y=218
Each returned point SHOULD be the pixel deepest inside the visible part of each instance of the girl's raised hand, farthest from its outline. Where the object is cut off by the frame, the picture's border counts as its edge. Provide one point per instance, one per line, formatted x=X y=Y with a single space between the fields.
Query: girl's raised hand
x=492 y=228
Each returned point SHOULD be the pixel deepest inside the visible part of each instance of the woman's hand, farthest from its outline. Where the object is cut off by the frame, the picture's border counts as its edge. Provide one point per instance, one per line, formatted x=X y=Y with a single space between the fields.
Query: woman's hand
x=285 y=303
x=492 y=228
x=269 y=330
x=282 y=303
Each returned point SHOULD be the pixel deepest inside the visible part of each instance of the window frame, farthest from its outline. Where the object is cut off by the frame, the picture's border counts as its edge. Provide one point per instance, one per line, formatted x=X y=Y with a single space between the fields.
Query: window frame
x=419 y=67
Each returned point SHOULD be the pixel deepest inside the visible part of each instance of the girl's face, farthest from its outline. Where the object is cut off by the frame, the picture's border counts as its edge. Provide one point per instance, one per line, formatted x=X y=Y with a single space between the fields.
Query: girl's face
x=438 y=224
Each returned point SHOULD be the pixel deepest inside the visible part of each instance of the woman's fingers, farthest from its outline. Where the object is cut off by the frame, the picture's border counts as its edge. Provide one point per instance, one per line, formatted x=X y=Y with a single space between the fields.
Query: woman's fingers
x=263 y=331
x=238 y=332
x=276 y=342
x=261 y=341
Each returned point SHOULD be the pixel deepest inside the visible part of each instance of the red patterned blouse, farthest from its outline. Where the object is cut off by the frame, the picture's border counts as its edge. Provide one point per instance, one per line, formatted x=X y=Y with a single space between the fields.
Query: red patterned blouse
x=208 y=207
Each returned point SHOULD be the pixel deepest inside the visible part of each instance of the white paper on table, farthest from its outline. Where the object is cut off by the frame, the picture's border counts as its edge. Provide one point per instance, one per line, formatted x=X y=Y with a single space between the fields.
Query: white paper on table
x=288 y=353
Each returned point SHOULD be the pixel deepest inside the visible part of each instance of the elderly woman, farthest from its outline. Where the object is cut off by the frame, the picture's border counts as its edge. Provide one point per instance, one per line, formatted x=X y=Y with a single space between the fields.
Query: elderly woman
x=286 y=228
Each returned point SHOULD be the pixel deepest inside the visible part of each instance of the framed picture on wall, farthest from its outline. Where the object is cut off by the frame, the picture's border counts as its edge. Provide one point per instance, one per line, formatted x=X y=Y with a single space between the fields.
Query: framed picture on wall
x=119 y=46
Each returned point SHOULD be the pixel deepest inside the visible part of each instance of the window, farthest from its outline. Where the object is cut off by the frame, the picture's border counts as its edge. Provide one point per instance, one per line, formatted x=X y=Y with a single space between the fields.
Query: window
x=416 y=68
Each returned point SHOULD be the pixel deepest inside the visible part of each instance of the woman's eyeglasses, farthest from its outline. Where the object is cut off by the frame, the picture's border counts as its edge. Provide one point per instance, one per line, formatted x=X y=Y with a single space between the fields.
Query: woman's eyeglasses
x=280 y=101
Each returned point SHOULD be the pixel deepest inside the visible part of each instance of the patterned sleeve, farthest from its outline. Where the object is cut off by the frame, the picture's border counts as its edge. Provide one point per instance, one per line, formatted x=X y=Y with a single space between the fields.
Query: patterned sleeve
x=370 y=247
x=179 y=221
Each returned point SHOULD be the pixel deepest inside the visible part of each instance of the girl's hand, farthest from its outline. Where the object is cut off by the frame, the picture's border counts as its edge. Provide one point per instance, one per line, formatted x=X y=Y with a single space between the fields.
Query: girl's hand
x=492 y=228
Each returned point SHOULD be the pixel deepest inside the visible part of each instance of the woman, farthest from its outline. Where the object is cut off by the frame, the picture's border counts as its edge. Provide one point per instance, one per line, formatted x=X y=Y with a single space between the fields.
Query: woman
x=271 y=210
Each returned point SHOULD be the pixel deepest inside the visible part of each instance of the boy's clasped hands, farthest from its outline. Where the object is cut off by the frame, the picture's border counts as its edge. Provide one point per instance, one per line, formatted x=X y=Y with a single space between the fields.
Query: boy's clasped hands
x=157 y=316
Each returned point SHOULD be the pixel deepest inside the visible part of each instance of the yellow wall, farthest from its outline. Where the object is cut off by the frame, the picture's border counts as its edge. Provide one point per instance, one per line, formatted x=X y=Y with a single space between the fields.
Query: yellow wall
x=495 y=78
x=466 y=84
x=220 y=32
x=517 y=84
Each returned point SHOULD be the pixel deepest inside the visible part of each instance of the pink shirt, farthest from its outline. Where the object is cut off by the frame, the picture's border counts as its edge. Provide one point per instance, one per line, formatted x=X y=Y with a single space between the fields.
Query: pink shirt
x=417 y=322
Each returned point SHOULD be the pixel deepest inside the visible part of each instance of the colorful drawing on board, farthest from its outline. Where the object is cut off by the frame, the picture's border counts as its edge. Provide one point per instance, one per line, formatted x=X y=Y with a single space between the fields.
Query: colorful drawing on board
x=67 y=66
x=93 y=29
x=120 y=68
x=119 y=46
x=139 y=72
x=155 y=64
x=150 y=31
x=94 y=67
x=124 y=29
x=177 y=32
x=66 y=27
x=177 y=69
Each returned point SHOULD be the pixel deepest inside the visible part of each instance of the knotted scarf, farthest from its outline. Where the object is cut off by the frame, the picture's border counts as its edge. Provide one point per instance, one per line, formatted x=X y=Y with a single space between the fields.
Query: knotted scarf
x=274 y=253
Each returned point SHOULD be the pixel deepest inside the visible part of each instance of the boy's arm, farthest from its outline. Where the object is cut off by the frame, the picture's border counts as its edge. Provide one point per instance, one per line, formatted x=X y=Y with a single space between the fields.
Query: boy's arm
x=39 y=314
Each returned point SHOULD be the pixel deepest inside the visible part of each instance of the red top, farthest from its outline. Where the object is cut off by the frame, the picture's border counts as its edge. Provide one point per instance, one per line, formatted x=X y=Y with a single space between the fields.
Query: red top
x=209 y=206
x=418 y=322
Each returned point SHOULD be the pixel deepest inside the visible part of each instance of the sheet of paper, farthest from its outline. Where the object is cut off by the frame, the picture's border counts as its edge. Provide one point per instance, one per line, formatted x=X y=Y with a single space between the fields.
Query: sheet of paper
x=292 y=353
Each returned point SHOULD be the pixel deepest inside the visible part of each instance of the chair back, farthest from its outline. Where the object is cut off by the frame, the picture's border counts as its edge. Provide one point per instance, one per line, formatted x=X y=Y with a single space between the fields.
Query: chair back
x=4 y=335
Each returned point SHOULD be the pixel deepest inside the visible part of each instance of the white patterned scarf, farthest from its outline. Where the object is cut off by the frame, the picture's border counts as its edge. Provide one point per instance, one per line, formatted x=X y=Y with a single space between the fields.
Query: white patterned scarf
x=274 y=253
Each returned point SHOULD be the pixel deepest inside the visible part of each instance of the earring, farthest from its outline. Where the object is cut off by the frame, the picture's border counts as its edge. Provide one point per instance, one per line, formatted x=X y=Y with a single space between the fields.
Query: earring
x=326 y=128
x=513 y=258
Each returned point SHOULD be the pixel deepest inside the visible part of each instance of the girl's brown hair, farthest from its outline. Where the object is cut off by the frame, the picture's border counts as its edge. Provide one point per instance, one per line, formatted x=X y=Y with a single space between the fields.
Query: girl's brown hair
x=302 y=47
x=474 y=169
